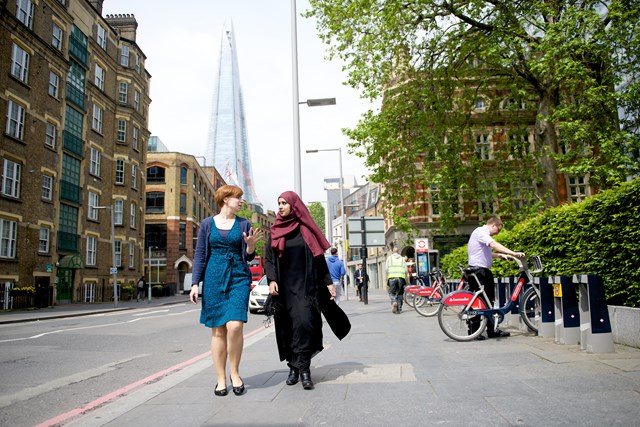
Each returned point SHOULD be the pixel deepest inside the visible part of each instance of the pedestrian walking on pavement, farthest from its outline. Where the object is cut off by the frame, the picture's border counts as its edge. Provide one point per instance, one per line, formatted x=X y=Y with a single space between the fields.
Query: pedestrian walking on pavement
x=396 y=268
x=301 y=286
x=362 y=283
x=140 y=288
x=225 y=244
x=480 y=256
x=337 y=271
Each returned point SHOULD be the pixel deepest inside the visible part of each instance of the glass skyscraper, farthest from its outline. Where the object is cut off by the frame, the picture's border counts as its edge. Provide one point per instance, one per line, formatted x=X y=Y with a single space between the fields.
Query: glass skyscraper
x=227 y=146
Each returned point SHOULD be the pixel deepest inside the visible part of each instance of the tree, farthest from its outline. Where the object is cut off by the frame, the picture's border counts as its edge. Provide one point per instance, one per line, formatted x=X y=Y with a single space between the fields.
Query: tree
x=573 y=64
x=318 y=214
x=247 y=213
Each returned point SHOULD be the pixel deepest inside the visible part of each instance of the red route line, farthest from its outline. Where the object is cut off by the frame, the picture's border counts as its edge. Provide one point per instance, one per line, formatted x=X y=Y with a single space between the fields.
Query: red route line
x=107 y=397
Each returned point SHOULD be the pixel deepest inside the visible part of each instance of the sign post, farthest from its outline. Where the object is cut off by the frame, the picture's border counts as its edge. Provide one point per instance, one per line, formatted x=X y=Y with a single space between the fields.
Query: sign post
x=364 y=232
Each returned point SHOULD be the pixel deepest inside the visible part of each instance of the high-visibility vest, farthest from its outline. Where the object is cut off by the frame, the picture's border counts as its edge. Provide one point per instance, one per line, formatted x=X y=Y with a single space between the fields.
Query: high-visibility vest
x=396 y=267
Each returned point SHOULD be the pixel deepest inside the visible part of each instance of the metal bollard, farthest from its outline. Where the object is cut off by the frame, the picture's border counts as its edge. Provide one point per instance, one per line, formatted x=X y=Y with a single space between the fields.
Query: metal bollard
x=595 y=326
x=567 y=315
x=546 y=323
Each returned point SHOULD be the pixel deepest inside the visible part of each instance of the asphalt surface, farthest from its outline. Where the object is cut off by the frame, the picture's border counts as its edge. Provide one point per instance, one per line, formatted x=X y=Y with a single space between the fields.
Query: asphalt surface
x=392 y=369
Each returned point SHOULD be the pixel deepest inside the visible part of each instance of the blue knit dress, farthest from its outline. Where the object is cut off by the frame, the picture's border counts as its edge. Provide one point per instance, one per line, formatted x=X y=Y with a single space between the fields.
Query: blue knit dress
x=227 y=280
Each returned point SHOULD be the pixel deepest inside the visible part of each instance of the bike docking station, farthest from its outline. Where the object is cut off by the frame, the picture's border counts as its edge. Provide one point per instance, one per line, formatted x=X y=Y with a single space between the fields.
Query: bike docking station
x=546 y=323
x=504 y=287
x=595 y=325
x=566 y=312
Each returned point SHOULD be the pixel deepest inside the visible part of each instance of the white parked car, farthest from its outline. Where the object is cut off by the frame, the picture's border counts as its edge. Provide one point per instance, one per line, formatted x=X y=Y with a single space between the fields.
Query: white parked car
x=259 y=293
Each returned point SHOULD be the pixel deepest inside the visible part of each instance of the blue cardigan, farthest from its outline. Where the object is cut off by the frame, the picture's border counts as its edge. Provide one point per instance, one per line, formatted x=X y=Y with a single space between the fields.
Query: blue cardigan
x=202 y=248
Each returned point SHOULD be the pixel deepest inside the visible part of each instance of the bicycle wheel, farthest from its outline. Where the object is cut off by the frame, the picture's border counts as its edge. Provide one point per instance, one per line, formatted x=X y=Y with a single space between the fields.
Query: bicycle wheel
x=530 y=309
x=455 y=323
x=428 y=305
x=409 y=298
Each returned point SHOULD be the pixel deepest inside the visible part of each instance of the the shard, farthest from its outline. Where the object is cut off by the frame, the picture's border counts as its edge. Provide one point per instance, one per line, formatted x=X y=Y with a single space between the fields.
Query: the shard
x=227 y=146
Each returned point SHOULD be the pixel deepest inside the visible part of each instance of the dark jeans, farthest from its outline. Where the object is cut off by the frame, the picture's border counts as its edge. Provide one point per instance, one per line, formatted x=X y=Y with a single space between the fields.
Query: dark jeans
x=486 y=278
x=396 y=290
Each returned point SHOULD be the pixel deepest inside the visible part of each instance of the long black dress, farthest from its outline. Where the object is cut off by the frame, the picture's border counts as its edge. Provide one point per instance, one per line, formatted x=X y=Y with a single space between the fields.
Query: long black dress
x=302 y=286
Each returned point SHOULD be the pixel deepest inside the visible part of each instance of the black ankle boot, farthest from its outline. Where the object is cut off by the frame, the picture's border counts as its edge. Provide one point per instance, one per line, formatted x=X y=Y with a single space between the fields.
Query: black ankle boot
x=293 y=376
x=307 y=384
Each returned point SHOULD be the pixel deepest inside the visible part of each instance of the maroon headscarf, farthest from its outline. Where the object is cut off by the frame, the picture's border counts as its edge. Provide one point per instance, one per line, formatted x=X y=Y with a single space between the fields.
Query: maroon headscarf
x=299 y=217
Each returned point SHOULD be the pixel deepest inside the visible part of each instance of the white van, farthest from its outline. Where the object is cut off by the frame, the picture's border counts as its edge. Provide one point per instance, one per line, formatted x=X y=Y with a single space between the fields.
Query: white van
x=186 y=284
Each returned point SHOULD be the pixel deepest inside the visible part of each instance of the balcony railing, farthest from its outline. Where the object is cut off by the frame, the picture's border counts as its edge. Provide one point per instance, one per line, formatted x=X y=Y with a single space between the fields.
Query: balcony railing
x=72 y=143
x=70 y=191
x=68 y=241
x=76 y=96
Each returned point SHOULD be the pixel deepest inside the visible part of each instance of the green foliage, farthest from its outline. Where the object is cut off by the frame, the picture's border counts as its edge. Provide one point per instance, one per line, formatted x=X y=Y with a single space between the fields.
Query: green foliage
x=598 y=236
x=247 y=213
x=318 y=214
x=573 y=64
x=22 y=291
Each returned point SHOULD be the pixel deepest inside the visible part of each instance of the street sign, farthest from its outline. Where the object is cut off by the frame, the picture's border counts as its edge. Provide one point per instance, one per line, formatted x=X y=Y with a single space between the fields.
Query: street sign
x=421 y=244
x=113 y=270
x=366 y=231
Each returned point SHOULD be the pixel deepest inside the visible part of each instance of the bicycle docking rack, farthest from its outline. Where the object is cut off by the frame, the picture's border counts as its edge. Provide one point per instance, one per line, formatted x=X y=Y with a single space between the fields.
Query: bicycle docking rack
x=595 y=325
x=546 y=323
x=566 y=312
x=504 y=287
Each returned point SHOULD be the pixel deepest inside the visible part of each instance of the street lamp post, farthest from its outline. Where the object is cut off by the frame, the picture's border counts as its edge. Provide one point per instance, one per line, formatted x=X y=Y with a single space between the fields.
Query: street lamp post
x=297 y=169
x=149 y=283
x=114 y=268
x=342 y=213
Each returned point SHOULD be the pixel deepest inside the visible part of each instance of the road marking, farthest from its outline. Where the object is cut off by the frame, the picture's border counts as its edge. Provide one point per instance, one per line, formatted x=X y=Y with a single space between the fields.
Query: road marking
x=32 y=392
x=158 y=385
x=150 y=312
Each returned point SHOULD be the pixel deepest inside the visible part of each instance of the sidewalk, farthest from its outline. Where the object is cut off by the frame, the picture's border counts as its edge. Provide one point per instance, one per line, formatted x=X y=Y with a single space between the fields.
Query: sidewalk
x=391 y=369
x=72 y=310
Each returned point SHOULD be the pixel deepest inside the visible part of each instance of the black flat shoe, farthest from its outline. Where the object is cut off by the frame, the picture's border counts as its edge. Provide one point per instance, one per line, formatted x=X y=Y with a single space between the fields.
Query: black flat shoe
x=293 y=376
x=499 y=334
x=305 y=377
x=237 y=390
x=222 y=392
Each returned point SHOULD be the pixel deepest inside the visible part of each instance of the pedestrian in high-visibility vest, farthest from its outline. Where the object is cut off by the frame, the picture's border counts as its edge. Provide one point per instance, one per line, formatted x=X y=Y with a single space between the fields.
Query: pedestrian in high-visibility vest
x=396 y=268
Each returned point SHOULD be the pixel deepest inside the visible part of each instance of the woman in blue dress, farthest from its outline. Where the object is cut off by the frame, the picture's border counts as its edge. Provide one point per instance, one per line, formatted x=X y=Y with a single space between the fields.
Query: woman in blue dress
x=225 y=244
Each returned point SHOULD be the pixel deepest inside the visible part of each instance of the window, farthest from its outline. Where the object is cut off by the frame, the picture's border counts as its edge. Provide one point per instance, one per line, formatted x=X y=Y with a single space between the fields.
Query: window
x=19 y=63
x=101 y=37
x=519 y=145
x=155 y=202
x=483 y=147
x=15 y=120
x=183 y=203
x=122 y=130
x=182 y=236
x=134 y=176
x=118 y=245
x=578 y=188
x=47 y=187
x=135 y=138
x=56 y=39
x=124 y=56
x=435 y=200
x=92 y=244
x=132 y=214
x=118 y=208
x=119 y=171
x=50 y=135
x=100 y=75
x=54 y=84
x=523 y=194
x=480 y=104
x=43 y=241
x=123 y=93
x=97 y=118
x=8 y=231
x=138 y=64
x=11 y=178
x=136 y=100
x=183 y=176
x=155 y=174
x=132 y=253
x=92 y=201
x=24 y=12
x=94 y=165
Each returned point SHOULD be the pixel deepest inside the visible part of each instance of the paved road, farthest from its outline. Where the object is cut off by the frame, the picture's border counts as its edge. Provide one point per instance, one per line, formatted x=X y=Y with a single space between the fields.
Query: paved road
x=393 y=369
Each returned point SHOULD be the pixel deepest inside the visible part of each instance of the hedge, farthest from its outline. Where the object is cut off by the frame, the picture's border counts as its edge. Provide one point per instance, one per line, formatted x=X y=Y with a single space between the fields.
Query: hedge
x=600 y=235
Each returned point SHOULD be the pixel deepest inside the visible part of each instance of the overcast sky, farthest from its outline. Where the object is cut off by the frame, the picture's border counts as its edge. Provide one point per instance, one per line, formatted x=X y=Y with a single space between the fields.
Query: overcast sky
x=181 y=40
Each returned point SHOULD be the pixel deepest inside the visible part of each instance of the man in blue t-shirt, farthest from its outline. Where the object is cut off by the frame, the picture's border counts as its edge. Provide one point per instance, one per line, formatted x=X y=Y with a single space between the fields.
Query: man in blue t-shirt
x=337 y=271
